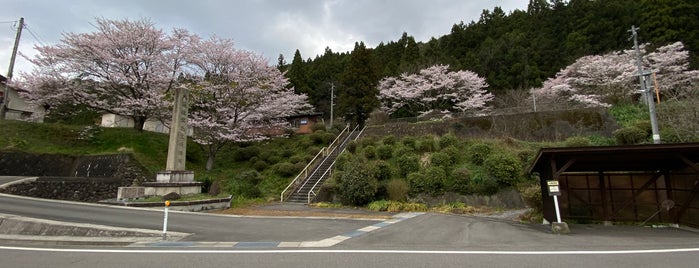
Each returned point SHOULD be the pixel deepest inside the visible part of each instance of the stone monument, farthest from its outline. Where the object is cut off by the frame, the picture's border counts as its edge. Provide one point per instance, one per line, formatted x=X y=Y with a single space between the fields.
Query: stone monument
x=175 y=178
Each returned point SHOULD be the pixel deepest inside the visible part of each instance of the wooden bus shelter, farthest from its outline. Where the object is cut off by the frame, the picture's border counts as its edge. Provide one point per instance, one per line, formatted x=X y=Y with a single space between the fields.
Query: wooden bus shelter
x=655 y=183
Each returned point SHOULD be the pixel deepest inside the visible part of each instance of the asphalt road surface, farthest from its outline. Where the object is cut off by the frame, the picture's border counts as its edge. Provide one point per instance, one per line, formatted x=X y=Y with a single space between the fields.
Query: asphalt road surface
x=427 y=240
x=221 y=258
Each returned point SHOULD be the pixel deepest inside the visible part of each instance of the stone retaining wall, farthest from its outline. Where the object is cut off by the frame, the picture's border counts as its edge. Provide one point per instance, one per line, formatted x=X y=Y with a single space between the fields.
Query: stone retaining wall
x=67 y=177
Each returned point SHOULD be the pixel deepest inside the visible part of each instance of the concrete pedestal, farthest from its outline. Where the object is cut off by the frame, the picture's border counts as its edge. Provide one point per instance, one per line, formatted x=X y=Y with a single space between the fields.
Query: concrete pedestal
x=560 y=228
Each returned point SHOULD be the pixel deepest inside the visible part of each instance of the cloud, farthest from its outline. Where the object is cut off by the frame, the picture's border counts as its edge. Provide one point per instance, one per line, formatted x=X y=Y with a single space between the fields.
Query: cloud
x=269 y=27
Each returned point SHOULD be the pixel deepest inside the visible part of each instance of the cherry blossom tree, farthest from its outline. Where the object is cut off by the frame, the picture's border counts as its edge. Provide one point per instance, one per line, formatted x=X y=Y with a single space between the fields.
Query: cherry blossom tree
x=602 y=80
x=435 y=89
x=124 y=67
x=236 y=96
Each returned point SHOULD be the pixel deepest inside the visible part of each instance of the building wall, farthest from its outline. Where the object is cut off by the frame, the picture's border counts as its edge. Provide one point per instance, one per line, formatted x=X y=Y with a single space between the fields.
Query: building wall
x=20 y=109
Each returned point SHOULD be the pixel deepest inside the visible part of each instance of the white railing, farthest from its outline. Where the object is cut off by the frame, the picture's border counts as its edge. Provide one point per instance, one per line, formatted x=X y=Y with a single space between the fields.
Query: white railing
x=312 y=165
x=328 y=172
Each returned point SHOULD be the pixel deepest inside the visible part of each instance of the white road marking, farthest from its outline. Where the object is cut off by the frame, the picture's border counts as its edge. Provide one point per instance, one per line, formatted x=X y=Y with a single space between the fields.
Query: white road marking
x=436 y=252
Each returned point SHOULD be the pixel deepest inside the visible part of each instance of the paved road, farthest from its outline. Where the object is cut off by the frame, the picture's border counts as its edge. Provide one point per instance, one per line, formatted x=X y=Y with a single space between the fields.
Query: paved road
x=205 y=227
x=403 y=259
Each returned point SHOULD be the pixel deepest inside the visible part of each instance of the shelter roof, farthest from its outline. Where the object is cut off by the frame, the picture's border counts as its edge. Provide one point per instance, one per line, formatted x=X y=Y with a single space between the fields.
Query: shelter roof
x=648 y=157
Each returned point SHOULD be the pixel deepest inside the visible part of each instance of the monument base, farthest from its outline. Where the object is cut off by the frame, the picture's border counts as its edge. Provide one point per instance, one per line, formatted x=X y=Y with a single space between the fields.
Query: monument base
x=169 y=181
x=174 y=176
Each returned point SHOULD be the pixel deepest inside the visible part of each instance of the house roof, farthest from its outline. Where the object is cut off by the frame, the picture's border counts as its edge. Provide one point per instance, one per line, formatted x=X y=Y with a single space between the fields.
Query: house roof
x=649 y=157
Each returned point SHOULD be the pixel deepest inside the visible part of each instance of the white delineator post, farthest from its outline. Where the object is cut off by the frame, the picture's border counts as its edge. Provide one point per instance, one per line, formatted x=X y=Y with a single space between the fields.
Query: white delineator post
x=167 y=205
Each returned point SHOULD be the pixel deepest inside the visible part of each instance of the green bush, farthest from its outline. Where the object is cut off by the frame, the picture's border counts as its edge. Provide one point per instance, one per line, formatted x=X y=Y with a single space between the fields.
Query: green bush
x=369 y=152
x=397 y=190
x=381 y=170
x=461 y=181
x=389 y=140
x=342 y=160
x=577 y=141
x=431 y=181
x=448 y=140
x=407 y=163
x=352 y=146
x=384 y=152
x=443 y=160
x=478 y=152
x=426 y=144
x=409 y=142
x=245 y=153
x=317 y=127
x=453 y=153
x=630 y=135
x=246 y=184
x=321 y=137
x=532 y=197
x=367 y=141
x=483 y=184
x=260 y=165
x=357 y=186
x=644 y=125
x=504 y=167
x=297 y=159
x=286 y=169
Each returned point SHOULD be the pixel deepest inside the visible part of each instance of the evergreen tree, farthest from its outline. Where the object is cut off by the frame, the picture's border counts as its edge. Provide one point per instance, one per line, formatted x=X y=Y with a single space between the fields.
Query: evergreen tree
x=297 y=74
x=358 y=95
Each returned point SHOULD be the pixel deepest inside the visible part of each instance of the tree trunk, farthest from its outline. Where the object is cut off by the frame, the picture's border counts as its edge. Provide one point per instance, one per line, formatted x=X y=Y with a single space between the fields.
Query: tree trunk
x=139 y=122
x=210 y=162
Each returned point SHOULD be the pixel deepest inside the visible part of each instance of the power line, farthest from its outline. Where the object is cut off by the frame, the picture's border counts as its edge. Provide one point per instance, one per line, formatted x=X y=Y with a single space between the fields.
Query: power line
x=9 y=21
x=36 y=36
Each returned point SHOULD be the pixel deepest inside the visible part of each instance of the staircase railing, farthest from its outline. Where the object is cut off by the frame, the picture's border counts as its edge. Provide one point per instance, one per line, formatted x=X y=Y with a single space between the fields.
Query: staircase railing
x=312 y=194
x=311 y=166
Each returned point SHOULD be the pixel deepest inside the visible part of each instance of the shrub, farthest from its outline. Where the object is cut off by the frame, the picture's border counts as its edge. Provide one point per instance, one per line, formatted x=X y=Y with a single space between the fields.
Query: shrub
x=407 y=163
x=504 y=167
x=378 y=205
x=317 y=127
x=384 y=152
x=260 y=165
x=532 y=197
x=285 y=169
x=356 y=186
x=342 y=160
x=352 y=146
x=321 y=137
x=483 y=184
x=250 y=176
x=397 y=190
x=369 y=152
x=426 y=144
x=409 y=142
x=274 y=159
x=630 y=135
x=245 y=153
x=367 y=141
x=577 y=141
x=381 y=170
x=461 y=181
x=296 y=159
x=431 y=181
x=443 y=160
x=478 y=152
x=448 y=140
x=389 y=140
x=453 y=153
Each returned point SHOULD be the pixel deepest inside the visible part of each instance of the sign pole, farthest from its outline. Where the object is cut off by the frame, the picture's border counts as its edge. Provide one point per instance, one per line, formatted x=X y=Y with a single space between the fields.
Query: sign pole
x=558 y=212
x=167 y=205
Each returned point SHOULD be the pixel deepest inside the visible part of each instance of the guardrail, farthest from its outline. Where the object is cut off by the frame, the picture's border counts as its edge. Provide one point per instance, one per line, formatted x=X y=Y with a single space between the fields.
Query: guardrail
x=311 y=166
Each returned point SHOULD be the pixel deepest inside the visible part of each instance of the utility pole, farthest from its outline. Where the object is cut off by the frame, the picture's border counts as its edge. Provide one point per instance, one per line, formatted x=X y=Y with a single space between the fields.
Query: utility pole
x=643 y=77
x=6 y=92
x=332 y=102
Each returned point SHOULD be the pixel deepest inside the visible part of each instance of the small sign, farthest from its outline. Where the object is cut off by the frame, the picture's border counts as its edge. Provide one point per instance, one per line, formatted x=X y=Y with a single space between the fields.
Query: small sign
x=553 y=188
x=303 y=122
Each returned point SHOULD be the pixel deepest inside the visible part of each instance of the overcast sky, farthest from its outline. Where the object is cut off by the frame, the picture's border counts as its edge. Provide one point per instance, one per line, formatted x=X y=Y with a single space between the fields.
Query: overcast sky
x=267 y=27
